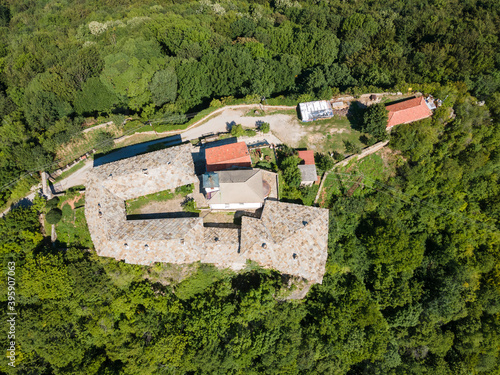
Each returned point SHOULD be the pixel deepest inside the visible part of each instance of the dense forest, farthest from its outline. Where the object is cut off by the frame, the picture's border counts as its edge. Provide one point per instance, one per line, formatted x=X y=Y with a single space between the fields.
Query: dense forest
x=413 y=271
x=63 y=61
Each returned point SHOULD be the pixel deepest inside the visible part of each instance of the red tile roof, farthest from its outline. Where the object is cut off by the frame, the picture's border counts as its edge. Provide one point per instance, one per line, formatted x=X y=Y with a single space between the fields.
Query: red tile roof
x=307 y=156
x=408 y=111
x=236 y=153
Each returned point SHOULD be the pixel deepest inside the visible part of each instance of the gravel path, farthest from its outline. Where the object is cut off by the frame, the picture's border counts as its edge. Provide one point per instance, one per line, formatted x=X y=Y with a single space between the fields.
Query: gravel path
x=285 y=127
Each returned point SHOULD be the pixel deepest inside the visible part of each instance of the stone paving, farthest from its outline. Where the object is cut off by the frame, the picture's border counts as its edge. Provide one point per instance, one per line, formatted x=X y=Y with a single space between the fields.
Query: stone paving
x=287 y=237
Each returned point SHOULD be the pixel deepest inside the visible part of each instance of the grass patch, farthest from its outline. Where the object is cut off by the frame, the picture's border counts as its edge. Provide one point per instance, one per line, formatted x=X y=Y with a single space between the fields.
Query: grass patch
x=266 y=152
x=134 y=205
x=70 y=171
x=136 y=126
x=72 y=230
x=261 y=113
x=330 y=135
x=356 y=179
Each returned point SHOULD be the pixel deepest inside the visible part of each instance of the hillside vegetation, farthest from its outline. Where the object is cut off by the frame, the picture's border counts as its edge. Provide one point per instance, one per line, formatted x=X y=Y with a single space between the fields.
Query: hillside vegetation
x=163 y=61
x=413 y=272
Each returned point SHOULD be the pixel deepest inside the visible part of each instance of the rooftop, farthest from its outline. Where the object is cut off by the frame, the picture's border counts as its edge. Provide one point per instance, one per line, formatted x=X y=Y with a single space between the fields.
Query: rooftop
x=289 y=238
x=234 y=153
x=239 y=186
x=307 y=156
x=311 y=111
x=210 y=180
x=308 y=173
x=407 y=111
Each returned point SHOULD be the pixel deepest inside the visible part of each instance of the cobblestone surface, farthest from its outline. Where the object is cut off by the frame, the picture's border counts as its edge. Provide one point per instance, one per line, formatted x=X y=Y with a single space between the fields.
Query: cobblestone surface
x=287 y=237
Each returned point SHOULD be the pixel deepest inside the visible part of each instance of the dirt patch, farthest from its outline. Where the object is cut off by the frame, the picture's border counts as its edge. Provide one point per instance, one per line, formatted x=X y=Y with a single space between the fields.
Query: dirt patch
x=219 y=217
x=71 y=202
x=315 y=139
x=172 y=205
x=340 y=131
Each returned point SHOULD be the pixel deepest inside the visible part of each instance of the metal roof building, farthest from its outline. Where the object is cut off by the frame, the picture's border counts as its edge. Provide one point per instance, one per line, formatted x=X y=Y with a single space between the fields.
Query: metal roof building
x=311 y=111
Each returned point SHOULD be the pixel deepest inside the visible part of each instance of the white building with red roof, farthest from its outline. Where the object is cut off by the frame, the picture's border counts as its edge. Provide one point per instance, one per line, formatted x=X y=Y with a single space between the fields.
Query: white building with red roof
x=307 y=167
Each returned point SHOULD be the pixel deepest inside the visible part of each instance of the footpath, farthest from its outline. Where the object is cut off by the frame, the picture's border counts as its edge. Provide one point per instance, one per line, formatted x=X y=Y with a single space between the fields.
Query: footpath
x=367 y=151
x=193 y=131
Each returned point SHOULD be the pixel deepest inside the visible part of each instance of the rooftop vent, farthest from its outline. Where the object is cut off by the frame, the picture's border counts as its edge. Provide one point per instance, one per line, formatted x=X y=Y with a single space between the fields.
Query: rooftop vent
x=100 y=214
x=182 y=241
x=145 y=171
x=125 y=245
x=146 y=247
x=305 y=223
x=264 y=245
x=295 y=256
x=216 y=239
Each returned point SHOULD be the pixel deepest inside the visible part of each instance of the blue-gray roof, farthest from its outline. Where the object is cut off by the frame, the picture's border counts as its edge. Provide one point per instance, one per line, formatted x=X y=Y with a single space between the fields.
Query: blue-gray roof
x=210 y=180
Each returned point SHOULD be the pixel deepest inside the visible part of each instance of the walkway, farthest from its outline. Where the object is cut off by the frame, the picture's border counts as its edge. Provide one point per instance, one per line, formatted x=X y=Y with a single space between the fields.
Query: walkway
x=367 y=151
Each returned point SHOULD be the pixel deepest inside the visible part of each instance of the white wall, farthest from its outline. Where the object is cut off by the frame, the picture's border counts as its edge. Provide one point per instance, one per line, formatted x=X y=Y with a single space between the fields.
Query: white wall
x=235 y=206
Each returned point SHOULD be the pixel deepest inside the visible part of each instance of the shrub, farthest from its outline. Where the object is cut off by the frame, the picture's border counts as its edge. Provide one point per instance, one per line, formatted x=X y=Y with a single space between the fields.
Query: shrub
x=351 y=147
x=104 y=141
x=184 y=190
x=250 y=132
x=189 y=205
x=54 y=216
x=52 y=203
x=265 y=127
x=237 y=130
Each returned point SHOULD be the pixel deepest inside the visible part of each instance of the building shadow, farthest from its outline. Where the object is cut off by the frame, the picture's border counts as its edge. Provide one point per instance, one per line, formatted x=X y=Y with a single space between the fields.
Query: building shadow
x=137 y=149
x=163 y=215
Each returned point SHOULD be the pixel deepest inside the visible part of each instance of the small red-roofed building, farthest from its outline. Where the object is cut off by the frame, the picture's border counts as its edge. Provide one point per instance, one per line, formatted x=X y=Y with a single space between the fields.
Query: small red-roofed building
x=408 y=111
x=234 y=155
x=307 y=168
x=307 y=156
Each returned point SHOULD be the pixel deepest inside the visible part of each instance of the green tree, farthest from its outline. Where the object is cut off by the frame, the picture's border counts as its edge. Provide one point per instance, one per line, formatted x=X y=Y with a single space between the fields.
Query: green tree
x=52 y=203
x=53 y=216
x=163 y=86
x=291 y=172
x=375 y=121
x=264 y=127
x=94 y=97
x=324 y=161
x=237 y=130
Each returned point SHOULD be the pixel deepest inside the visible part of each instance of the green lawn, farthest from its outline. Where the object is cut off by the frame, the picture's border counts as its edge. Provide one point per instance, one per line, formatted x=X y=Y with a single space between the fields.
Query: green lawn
x=367 y=173
x=134 y=205
x=330 y=134
x=266 y=151
x=72 y=230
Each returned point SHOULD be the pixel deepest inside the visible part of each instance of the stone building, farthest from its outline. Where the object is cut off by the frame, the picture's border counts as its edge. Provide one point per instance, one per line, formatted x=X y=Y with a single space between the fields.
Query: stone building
x=289 y=238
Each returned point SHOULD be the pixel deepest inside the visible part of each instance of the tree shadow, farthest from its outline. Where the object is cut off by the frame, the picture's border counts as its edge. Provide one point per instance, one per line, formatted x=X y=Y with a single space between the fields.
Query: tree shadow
x=355 y=115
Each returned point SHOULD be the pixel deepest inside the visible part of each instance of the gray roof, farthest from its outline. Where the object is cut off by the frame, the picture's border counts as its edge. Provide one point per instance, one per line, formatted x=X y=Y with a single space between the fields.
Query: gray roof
x=210 y=180
x=296 y=236
x=239 y=186
x=108 y=187
x=308 y=172
x=290 y=238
